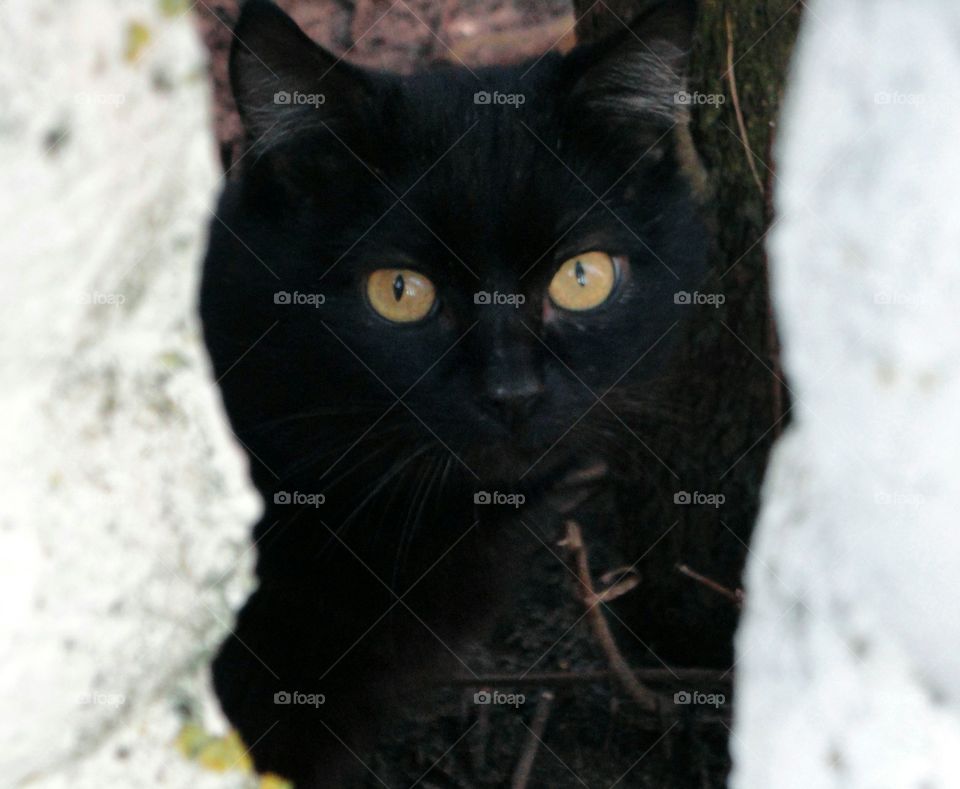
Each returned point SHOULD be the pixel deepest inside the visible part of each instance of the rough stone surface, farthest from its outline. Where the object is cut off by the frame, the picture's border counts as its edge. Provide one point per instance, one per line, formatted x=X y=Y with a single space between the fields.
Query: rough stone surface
x=125 y=509
x=847 y=673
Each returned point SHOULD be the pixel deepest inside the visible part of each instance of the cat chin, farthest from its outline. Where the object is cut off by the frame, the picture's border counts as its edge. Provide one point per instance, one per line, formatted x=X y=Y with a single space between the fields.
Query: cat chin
x=508 y=464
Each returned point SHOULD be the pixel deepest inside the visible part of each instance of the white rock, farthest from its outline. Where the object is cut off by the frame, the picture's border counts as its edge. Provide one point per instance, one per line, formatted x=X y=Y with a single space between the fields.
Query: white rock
x=125 y=512
x=848 y=673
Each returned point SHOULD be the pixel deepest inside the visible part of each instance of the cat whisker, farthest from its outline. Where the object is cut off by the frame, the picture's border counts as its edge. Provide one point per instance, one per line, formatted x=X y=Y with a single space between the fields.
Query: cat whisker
x=385 y=478
x=348 y=444
x=316 y=412
x=412 y=520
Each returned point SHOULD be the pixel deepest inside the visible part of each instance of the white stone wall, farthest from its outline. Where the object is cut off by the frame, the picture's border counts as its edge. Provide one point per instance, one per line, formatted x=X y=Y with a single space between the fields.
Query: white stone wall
x=849 y=672
x=124 y=507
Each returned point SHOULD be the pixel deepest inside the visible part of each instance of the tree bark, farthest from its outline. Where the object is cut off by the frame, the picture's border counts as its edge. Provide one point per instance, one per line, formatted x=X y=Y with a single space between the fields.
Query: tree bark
x=731 y=392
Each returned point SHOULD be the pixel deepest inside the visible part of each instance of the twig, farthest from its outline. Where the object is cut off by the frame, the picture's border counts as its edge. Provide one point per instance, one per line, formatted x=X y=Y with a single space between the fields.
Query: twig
x=628 y=579
x=736 y=596
x=601 y=630
x=661 y=676
x=735 y=96
x=478 y=740
x=521 y=775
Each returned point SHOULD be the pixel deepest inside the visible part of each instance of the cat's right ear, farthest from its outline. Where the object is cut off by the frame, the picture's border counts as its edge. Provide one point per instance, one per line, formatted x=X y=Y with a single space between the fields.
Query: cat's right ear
x=627 y=89
x=284 y=83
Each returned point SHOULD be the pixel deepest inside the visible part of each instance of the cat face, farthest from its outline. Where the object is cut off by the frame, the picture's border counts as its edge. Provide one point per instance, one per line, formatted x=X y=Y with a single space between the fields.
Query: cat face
x=457 y=259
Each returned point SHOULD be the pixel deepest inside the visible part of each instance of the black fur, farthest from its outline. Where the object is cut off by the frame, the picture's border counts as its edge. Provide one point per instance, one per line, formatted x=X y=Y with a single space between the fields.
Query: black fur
x=399 y=425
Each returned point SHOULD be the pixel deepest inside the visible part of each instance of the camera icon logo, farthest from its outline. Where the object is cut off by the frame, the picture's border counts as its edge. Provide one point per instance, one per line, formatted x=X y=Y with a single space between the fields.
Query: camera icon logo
x=282 y=697
x=482 y=297
x=281 y=497
x=482 y=697
x=282 y=97
x=682 y=297
x=481 y=97
x=282 y=297
x=482 y=497
x=682 y=697
x=681 y=497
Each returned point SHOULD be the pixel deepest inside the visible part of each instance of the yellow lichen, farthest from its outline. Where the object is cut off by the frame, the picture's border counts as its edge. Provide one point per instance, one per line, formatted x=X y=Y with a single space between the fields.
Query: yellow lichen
x=225 y=753
x=138 y=36
x=173 y=7
x=174 y=360
x=222 y=753
x=271 y=781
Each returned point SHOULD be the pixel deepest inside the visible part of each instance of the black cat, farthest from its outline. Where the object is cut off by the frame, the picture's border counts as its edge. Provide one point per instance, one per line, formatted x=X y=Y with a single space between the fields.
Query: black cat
x=413 y=298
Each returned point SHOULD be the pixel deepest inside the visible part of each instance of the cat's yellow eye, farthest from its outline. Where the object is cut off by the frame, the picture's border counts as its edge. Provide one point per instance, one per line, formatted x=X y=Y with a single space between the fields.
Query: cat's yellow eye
x=400 y=295
x=584 y=282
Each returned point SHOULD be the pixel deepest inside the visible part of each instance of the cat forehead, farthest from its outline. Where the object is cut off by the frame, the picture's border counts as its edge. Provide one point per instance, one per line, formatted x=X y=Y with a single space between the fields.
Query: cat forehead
x=493 y=100
x=462 y=86
x=487 y=185
x=493 y=133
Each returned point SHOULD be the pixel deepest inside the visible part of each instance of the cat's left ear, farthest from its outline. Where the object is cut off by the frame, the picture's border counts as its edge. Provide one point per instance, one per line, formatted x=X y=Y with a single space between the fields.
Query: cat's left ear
x=283 y=82
x=637 y=76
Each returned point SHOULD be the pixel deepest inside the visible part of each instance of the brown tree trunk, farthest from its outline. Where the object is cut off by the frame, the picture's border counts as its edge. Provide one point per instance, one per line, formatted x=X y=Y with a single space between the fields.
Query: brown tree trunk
x=732 y=384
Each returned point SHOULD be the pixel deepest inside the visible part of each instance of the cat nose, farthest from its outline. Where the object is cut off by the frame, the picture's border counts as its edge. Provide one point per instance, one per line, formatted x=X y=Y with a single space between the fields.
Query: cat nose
x=514 y=402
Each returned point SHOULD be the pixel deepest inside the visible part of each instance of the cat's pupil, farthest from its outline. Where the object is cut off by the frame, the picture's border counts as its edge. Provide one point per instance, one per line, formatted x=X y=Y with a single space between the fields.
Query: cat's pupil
x=581 y=274
x=398 y=287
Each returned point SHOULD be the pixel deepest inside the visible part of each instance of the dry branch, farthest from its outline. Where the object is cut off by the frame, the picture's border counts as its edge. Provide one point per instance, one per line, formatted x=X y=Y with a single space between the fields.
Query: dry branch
x=645 y=697
x=734 y=595
x=657 y=676
x=521 y=775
